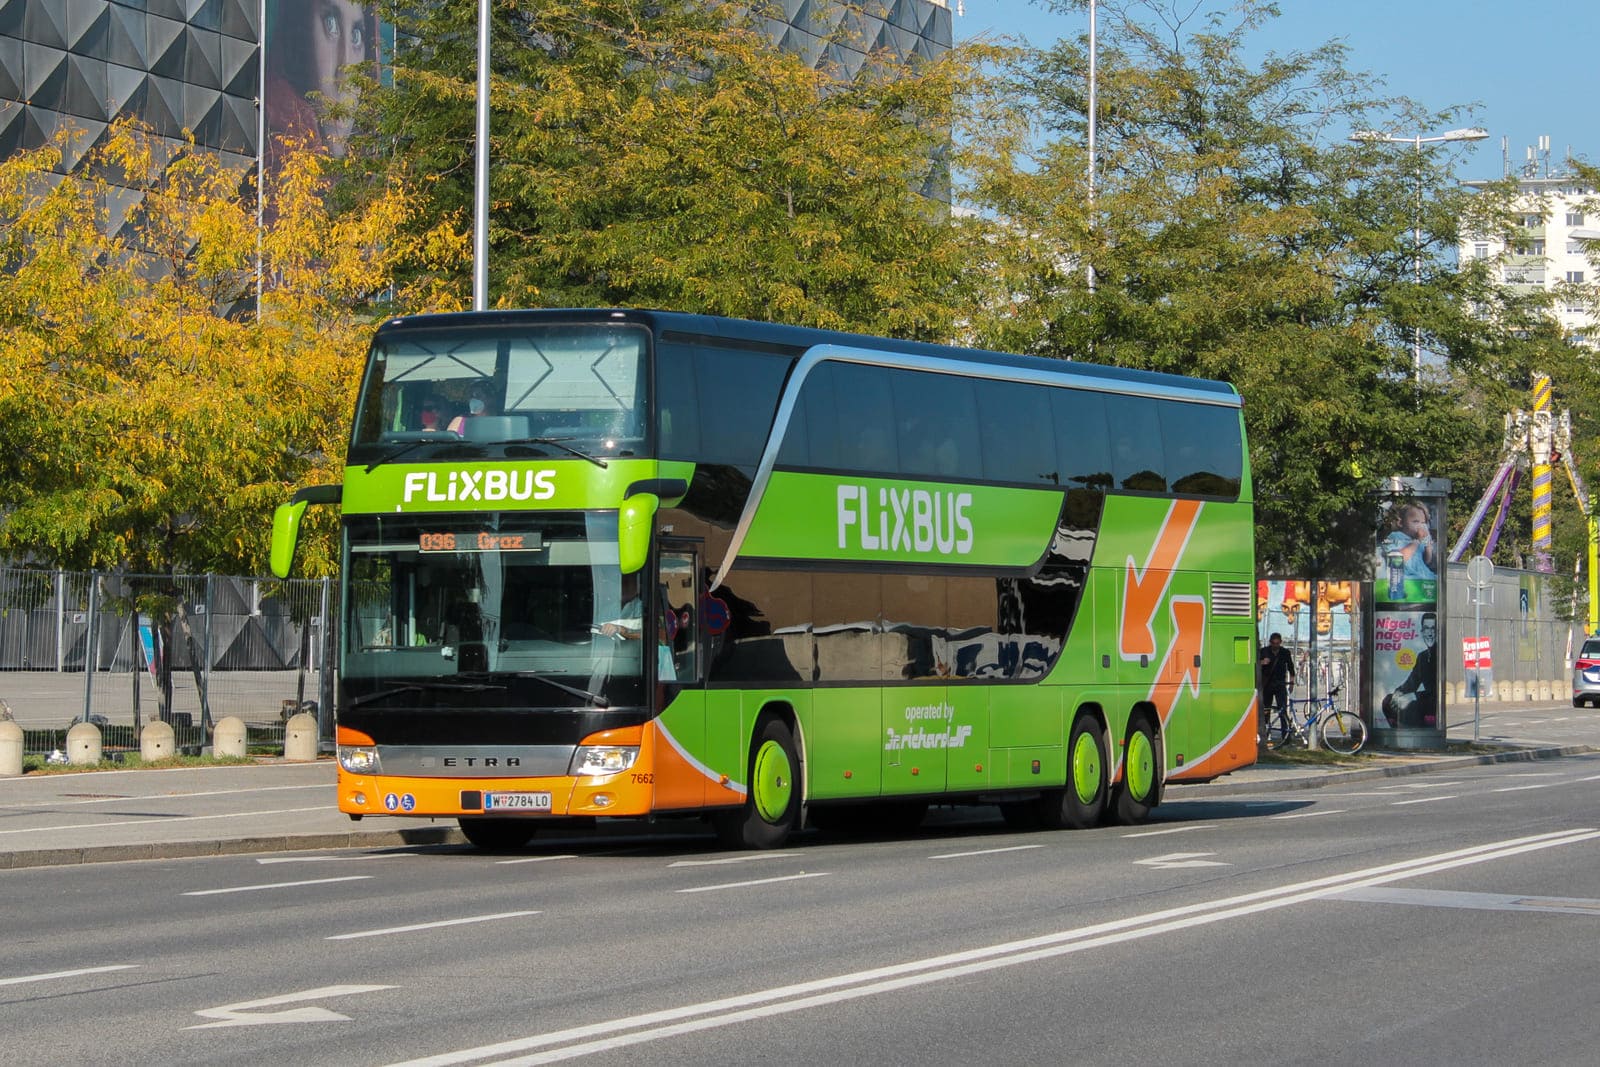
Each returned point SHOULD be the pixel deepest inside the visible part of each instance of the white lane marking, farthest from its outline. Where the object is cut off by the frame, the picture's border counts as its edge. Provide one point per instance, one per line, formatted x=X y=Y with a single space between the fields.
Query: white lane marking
x=1424 y=800
x=1177 y=860
x=724 y=860
x=801 y=996
x=1520 y=788
x=1441 y=898
x=70 y=802
x=758 y=881
x=25 y=978
x=535 y=859
x=334 y=859
x=431 y=926
x=983 y=852
x=1364 y=793
x=1309 y=814
x=1427 y=785
x=1591 y=778
x=171 y=820
x=274 y=885
x=243 y=1013
x=1172 y=830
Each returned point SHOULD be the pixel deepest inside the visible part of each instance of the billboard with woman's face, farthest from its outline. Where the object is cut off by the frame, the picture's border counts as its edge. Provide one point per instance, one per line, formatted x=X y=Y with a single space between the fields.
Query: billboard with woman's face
x=310 y=49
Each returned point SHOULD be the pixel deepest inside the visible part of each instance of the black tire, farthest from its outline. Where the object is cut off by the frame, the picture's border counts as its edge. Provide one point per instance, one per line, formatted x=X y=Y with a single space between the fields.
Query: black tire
x=496 y=835
x=1140 y=787
x=771 y=808
x=1082 y=803
x=1343 y=732
x=1577 y=702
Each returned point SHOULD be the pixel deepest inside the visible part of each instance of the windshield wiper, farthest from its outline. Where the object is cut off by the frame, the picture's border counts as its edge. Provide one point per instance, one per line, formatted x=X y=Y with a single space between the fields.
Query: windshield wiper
x=417 y=687
x=597 y=699
x=558 y=442
x=408 y=446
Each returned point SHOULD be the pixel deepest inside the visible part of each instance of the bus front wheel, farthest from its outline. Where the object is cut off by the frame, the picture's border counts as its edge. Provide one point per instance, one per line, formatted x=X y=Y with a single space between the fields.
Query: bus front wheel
x=771 y=806
x=496 y=835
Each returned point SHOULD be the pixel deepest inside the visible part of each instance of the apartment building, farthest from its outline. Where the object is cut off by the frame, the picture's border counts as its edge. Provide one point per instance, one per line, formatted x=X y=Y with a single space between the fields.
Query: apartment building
x=1559 y=217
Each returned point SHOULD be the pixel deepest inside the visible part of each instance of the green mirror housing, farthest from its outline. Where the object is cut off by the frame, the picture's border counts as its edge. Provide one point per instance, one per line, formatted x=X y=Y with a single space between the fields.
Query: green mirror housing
x=285 y=536
x=286 y=524
x=635 y=522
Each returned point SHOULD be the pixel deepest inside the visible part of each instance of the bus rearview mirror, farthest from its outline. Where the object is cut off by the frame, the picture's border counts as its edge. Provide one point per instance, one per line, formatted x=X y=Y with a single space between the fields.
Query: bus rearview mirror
x=285 y=536
x=635 y=520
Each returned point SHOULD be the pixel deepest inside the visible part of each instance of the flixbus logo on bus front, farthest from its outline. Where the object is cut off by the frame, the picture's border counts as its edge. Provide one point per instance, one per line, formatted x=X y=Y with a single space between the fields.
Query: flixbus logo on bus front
x=464 y=486
x=912 y=520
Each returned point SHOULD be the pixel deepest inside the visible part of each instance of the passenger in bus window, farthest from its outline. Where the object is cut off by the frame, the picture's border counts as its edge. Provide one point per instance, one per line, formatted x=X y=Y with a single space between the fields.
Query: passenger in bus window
x=479 y=403
x=428 y=418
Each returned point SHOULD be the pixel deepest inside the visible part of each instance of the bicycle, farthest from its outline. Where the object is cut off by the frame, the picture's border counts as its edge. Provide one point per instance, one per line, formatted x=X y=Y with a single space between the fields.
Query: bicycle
x=1341 y=731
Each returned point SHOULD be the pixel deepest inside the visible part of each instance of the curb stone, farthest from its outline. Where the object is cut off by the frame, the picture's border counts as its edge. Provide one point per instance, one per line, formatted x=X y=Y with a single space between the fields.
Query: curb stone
x=1316 y=780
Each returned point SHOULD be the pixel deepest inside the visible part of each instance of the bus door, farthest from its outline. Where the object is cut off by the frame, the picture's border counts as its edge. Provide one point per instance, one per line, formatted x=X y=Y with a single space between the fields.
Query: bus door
x=679 y=667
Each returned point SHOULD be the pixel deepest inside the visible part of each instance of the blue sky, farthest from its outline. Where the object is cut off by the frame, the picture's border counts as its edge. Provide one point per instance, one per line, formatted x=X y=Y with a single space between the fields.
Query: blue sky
x=1527 y=68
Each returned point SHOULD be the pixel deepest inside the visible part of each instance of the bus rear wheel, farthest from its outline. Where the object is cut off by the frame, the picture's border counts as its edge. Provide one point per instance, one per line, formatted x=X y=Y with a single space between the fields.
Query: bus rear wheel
x=1080 y=805
x=771 y=806
x=1135 y=795
x=496 y=835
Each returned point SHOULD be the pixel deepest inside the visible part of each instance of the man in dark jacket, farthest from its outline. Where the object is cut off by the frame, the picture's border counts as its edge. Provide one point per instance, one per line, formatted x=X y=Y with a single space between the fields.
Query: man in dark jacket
x=1277 y=678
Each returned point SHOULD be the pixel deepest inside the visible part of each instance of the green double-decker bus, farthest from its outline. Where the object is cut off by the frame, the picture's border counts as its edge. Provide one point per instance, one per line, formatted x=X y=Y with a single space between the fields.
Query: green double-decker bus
x=620 y=563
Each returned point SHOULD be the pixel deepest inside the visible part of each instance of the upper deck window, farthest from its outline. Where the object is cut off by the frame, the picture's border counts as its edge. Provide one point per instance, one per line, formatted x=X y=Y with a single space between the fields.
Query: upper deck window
x=577 y=383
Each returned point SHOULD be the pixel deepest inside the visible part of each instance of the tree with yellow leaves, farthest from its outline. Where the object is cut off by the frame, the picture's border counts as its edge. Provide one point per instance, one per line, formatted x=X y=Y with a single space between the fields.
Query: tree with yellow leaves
x=164 y=385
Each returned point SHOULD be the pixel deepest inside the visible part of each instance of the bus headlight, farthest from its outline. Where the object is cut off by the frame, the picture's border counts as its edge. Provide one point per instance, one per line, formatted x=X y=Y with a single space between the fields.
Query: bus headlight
x=592 y=760
x=359 y=760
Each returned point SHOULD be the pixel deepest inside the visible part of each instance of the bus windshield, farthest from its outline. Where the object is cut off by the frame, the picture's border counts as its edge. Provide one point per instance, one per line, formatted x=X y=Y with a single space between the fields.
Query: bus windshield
x=513 y=601
x=577 y=384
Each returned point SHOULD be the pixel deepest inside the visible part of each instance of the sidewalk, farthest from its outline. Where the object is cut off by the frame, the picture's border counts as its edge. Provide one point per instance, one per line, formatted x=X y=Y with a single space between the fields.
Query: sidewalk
x=275 y=806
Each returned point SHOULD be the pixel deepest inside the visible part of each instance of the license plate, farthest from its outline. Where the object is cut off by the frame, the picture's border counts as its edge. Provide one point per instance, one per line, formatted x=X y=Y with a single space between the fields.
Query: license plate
x=516 y=802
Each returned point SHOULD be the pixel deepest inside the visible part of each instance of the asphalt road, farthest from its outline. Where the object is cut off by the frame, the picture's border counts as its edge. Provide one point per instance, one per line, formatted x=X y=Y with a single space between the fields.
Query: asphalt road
x=1443 y=917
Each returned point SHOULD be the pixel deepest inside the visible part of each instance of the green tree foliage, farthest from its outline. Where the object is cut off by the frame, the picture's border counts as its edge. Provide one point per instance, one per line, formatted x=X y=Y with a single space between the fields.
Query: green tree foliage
x=150 y=418
x=668 y=154
x=1237 y=233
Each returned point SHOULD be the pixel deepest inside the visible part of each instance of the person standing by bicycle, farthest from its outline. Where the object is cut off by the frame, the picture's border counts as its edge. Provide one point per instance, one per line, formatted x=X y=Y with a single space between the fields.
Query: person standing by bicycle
x=1276 y=664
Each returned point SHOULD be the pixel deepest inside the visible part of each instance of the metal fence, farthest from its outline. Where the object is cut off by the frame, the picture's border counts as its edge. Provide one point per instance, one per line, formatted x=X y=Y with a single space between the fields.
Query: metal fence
x=122 y=649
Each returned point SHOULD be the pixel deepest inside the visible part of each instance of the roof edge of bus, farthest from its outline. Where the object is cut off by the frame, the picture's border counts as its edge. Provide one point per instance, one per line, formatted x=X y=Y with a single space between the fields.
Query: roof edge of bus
x=801 y=337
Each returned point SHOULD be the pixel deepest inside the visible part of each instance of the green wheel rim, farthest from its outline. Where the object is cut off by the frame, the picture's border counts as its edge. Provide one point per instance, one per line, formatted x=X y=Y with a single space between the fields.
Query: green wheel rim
x=1141 y=770
x=1086 y=773
x=773 y=781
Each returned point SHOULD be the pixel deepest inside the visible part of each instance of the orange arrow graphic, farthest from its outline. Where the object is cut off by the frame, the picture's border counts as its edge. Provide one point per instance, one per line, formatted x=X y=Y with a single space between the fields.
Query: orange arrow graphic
x=1183 y=657
x=1144 y=588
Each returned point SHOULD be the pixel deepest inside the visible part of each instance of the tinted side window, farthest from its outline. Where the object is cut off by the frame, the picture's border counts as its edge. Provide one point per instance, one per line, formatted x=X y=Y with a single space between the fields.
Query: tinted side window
x=936 y=421
x=738 y=394
x=1019 y=437
x=1138 y=460
x=1203 y=453
x=866 y=418
x=1082 y=441
x=677 y=402
x=812 y=439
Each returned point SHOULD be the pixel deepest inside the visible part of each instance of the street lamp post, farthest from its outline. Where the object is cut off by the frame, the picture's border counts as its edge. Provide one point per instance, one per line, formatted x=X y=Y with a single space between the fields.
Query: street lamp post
x=480 y=197
x=1417 y=141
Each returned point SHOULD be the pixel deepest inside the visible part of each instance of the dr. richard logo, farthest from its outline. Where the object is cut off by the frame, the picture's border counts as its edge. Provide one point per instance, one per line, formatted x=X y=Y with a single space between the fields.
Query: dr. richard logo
x=918 y=736
x=904 y=520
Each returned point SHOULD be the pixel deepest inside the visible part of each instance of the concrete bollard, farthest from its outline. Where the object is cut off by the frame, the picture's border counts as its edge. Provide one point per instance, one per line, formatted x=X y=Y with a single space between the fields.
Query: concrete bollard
x=228 y=737
x=1502 y=691
x=300 y=738
x=10 y=748
x=157 y=741
x=83 y=743
x=1544 y=691
x=1452 y=692
x=1519 y=691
